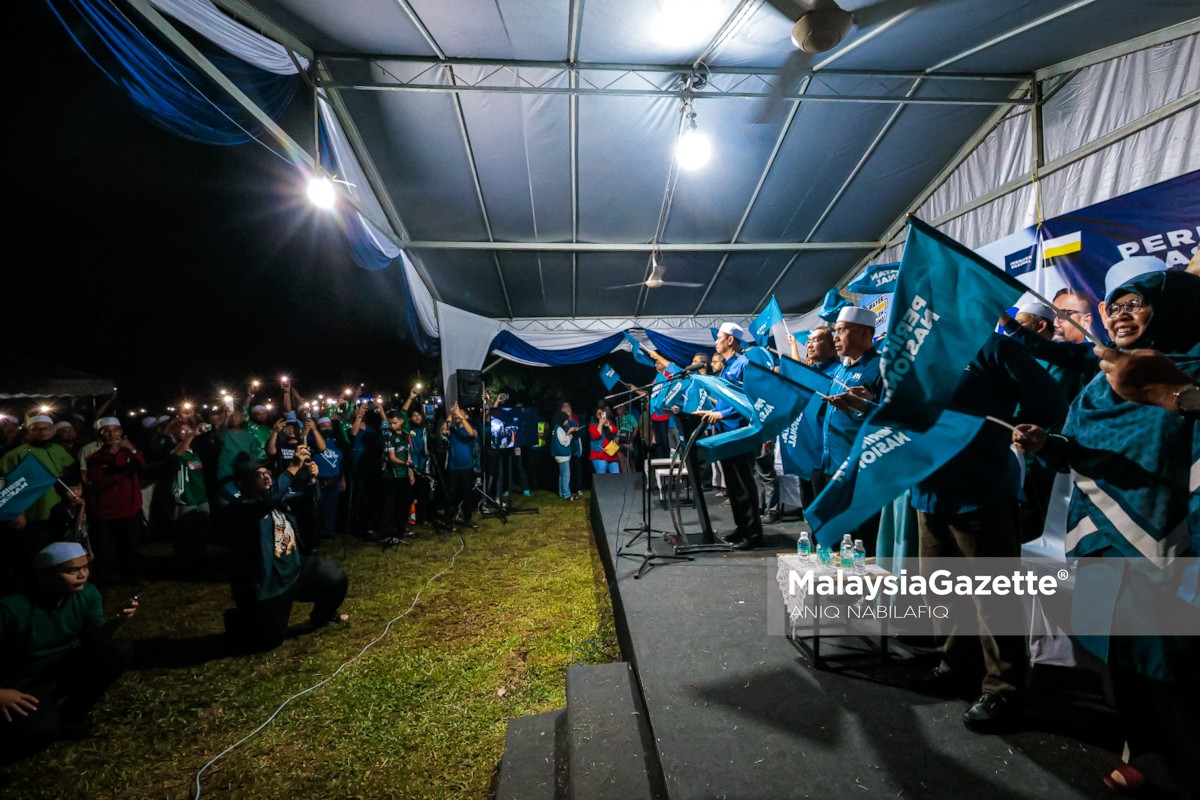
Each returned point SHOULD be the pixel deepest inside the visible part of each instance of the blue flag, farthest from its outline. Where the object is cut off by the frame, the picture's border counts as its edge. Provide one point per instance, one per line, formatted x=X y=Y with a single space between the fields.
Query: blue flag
x=27 y=482
x=771 y=316
x=877 y=279
x=639 y=355
x=731 y=443
x=723 y=389
x=832 y=305
x=883 y=463
x=812 y=379
x=801 y=442
x=609 y=376
x=945 y=306
x=777 y=401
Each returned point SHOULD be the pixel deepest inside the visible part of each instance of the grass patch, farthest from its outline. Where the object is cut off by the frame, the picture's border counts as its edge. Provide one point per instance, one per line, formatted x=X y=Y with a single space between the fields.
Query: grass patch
x=421 y=715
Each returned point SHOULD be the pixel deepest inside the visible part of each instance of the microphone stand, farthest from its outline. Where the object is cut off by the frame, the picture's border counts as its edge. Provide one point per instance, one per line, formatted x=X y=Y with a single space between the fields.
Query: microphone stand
x=649 y=557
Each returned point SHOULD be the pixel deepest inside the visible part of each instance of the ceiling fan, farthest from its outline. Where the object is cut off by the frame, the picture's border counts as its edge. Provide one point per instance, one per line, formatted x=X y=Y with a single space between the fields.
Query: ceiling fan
x=818 y=27
x=657 y=271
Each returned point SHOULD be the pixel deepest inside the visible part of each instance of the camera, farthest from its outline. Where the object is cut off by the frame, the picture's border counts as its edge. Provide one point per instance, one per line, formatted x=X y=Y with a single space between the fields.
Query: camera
x=203 y=427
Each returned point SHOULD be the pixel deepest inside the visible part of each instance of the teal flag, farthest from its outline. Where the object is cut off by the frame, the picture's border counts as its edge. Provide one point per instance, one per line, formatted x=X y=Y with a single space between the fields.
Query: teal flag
x=771 y=316
x=609 y=376
x=639 y=355
x=833 y=305
x=884 y=462
x=730 y=443
x=945 y=306
x=777 y=401
x=877 y=279
x=812 y=379
x=723 y=389
x=801 y=441
x=27 y=482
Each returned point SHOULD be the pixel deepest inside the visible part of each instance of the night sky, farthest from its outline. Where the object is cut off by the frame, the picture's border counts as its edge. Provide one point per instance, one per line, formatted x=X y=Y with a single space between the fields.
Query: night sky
x=170 y=266
x=177 y=268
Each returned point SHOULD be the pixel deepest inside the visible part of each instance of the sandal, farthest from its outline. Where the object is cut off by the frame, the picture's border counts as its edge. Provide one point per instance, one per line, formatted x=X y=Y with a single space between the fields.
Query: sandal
x=1125 y=778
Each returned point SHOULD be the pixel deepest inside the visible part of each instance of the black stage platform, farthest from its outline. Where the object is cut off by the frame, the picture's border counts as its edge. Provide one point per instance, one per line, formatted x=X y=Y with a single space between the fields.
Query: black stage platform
x=737 y=713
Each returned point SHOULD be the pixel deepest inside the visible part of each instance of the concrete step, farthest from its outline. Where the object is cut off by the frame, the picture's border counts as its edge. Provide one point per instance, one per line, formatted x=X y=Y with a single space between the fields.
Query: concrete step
x=609 y=747
x=528 y=769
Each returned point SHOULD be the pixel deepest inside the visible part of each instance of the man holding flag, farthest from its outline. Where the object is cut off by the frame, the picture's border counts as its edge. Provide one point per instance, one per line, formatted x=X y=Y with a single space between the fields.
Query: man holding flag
x=857 y=382
x=737 y=469
x=37 y=516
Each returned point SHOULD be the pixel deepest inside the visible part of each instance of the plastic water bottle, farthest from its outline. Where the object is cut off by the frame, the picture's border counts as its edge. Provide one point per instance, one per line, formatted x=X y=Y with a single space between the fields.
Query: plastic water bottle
x=846 y=553
x=824 y=557
x=860 y=557
x=804 y=547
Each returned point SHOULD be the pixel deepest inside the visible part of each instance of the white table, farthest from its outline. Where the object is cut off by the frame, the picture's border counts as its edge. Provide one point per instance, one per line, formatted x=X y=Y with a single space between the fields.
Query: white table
x=804 y=613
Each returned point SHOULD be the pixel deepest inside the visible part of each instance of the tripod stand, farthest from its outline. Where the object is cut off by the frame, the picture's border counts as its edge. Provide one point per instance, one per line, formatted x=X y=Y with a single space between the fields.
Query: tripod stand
x=495 y=506
x=649 y=557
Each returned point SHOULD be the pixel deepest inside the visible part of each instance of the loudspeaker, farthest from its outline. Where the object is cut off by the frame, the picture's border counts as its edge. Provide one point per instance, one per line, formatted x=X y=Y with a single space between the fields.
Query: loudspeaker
x=470 y=387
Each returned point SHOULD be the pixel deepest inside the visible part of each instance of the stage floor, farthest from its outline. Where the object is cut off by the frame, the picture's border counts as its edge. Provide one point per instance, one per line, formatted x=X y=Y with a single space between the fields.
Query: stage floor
x=738 y=713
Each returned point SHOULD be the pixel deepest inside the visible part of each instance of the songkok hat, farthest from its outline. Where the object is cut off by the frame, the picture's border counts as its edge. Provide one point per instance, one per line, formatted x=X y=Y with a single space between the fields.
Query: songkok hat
x=57 y=553
x=734 y=330
x=245 y=467
x=1038 y=309
x=41 y=418
x=1123 y=272
x=857 y=315
x=105 y=422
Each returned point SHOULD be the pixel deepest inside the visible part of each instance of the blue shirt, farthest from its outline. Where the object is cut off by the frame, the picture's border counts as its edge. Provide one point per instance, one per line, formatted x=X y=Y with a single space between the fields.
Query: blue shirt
x=842 y=426
x=329 y=462
x=731 y=419
x=462 y=453
x=420 y=449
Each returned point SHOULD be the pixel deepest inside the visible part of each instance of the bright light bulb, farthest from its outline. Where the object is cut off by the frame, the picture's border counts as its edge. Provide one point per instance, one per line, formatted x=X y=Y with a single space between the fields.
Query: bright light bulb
x=694 y=150
x=320 y=192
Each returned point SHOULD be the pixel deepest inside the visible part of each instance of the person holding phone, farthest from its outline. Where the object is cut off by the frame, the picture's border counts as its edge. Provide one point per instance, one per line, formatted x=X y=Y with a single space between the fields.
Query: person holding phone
x=460 y=465
x=605 y=451
x=57 y=653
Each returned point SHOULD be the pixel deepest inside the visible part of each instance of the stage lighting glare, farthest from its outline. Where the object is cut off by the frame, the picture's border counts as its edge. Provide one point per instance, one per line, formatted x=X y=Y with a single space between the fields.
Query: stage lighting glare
x=320 y=192
x=694 y=150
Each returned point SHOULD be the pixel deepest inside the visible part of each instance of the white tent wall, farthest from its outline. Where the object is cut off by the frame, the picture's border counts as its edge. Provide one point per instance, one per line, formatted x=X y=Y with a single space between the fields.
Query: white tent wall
x=1093 y=103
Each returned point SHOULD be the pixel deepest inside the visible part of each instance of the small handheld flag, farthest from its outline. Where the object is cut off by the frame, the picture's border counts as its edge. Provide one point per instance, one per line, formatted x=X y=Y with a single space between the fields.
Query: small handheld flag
x=876 y=279
x=27 y=482
x=639 y=355
x=609 y=376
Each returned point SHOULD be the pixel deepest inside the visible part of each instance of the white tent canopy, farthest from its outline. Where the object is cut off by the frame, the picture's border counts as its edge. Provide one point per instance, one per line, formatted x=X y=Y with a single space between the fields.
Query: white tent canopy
x=520 y=156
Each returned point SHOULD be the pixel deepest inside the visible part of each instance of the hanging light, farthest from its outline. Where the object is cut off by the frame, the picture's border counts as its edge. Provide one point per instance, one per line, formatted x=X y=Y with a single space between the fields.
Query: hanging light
x=693 y=149
x=320 y=192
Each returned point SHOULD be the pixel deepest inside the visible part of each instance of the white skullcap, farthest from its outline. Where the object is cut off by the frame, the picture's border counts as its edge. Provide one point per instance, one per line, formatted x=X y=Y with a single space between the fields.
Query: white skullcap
x=1123 y=272
x=857 y=315
x=58 y=426
x=149 y=422
x=57 y=553
x=323 y=420
x=8 y=418
x=106 y=422
x=733 y=329
x=1038 y=309
x=41 y=418
x=162 y=419
x=258 y=408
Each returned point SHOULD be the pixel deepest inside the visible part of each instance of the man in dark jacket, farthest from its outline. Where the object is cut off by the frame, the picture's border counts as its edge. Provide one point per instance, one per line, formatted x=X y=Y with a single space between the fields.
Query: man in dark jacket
x=267 y=571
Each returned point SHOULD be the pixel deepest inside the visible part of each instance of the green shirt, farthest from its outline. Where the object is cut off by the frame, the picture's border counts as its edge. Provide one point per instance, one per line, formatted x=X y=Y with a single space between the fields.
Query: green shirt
x=35 y=634
x=395 y=442
x=55 y=459
x=188 y=486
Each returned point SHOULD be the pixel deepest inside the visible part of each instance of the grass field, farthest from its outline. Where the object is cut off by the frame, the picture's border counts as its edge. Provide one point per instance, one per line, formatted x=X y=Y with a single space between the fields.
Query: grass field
x=421 y=715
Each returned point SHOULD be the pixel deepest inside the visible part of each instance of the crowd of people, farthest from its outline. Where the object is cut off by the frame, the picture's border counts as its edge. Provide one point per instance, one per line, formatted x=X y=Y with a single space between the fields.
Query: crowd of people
x=242 y=490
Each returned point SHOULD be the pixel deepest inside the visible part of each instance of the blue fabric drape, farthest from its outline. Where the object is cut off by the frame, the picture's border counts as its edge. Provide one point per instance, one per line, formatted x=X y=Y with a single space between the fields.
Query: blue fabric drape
x=676 y=350
x=166 y=90
x=507 y=342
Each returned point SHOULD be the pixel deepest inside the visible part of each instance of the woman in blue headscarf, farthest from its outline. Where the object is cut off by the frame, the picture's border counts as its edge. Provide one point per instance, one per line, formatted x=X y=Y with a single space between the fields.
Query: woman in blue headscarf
x=1134 y=506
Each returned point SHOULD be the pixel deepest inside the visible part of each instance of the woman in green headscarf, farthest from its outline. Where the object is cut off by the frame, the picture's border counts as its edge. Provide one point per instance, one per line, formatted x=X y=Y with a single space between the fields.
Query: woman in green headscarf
x=1134 y=466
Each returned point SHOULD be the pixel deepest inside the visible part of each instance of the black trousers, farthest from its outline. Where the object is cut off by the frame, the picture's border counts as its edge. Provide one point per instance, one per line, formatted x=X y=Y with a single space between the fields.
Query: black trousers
x=393 y=511
x=65 y=694
x=767 y=477
x=256 y=626
x=461 y=482
x=743 y=494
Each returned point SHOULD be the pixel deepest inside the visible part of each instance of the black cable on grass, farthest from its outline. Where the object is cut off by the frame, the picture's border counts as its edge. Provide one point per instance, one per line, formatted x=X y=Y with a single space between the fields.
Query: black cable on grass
x=336 y=672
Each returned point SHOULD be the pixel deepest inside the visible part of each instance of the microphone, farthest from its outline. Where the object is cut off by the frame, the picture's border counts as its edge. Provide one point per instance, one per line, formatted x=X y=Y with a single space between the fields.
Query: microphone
x=694 y=367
